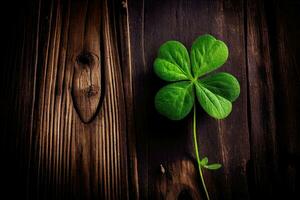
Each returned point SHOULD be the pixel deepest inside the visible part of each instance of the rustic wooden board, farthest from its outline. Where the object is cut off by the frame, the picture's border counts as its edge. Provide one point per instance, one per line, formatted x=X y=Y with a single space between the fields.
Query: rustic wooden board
x=77 y=89
x=253 y=141
x=67 y=113
x=166 y=143
x=285 y=52
x=261 y=103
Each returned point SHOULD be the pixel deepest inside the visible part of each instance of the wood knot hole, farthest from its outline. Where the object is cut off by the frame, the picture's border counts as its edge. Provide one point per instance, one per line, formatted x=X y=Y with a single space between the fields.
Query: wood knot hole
x=85 y=59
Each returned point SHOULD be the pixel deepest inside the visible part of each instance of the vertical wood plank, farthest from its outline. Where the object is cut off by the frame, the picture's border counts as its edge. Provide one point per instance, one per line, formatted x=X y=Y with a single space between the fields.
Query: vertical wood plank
x=263 y=166
x=127 y=72
x=57 y=154
x=285 y=53
x=166 y=143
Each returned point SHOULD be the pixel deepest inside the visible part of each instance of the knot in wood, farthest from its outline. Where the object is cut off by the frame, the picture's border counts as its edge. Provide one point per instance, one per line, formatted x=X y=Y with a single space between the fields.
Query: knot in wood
x=85 y=58
x=86 y=86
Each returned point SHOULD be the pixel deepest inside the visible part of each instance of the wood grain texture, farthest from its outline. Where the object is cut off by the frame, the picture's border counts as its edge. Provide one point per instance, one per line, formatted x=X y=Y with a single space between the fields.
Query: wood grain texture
x=286 y=55
x=86 y=59
x=263 y=166
x=250 y=142
x=57 y=155
x=168 y=143
x=77 y=116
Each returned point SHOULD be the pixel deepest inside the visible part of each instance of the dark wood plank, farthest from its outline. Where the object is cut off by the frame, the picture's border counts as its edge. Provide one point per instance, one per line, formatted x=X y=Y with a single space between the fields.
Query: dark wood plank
x=285 y=53
x=68 y=135
x=127 y=72
x=164 y=143
x=13 y=19
x=263 y=166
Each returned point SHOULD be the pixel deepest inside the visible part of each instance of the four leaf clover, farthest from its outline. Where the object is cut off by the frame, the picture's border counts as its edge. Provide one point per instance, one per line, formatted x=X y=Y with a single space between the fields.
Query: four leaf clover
x=215 y=92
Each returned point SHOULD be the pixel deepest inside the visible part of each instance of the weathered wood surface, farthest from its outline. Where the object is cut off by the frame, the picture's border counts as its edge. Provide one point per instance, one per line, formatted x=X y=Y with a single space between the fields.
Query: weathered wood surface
x=167 y=143
x=78 y=120
x=66 y=125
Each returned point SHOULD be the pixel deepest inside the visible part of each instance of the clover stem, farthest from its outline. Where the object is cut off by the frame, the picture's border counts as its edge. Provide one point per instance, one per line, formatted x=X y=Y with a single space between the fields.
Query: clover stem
x=197 y=153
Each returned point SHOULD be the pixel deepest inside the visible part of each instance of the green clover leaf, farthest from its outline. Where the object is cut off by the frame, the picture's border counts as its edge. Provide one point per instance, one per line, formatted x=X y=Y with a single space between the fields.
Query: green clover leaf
x=207 y=54
x=215 y=93
x=175 y=100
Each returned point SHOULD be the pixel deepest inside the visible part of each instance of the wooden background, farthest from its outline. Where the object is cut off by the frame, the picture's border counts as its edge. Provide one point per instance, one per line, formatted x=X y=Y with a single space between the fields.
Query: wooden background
x=77 y=88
